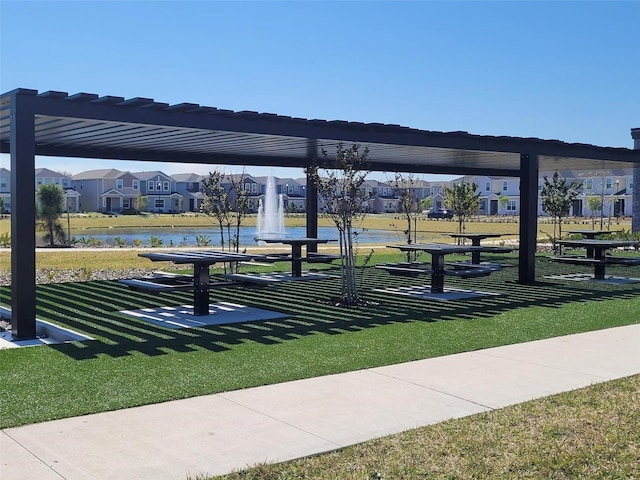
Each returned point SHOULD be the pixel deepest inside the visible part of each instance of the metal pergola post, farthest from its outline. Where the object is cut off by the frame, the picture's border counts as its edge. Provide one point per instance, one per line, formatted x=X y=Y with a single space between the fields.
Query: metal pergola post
x=312 y=195
x=23 y=214
x=528 y=218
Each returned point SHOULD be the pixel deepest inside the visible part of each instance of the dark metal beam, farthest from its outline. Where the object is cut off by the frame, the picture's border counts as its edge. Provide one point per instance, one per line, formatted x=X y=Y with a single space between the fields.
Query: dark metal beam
x=528 y=218
x=312 y=194
x=635 y=207
x=23 y=214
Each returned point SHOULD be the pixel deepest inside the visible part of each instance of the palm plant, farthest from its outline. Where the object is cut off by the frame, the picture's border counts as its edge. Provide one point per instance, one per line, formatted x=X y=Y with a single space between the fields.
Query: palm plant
x=50 y=198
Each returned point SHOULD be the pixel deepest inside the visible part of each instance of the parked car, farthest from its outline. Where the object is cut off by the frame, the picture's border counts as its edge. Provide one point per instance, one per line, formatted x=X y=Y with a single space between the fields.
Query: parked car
x=440 y=213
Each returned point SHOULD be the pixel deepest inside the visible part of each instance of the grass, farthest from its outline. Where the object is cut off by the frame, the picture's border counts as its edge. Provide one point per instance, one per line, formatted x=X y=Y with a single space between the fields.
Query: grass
x=134 y=363
x=589 y=433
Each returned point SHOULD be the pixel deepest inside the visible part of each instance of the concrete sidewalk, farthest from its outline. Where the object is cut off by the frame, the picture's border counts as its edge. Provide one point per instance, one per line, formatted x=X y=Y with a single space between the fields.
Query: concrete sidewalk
x=216 y=434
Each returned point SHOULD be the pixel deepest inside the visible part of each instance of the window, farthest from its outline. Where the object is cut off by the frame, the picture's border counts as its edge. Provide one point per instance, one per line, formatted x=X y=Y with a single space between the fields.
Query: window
x=165 y=186
x=135 y=184
x=487 y=186
x=630 y=183
x=505 y=186
x=608 y=183
x=3 y=183
x=119 y=184
x=589 y=184
x=511 y=206
x=254 y=188
x=159 y=203
x=189 y=185
x=125 y=204
x=151 y=185
x=159 y=186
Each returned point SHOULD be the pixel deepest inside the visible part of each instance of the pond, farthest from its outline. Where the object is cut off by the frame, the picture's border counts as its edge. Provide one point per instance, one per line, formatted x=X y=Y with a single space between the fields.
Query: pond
x=198 y=236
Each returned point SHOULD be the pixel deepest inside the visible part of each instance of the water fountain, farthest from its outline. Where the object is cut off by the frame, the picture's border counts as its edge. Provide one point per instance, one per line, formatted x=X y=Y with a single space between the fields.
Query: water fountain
x=270 y=212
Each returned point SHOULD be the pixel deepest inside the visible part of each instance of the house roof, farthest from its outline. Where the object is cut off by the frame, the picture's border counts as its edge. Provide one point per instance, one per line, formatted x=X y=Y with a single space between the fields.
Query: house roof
x=149 y=175
x=45 y=172
x=186 y=177
x=101 y=174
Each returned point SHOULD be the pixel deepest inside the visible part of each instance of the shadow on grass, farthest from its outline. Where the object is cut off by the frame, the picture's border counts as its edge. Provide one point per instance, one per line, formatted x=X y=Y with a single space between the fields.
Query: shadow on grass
x=92 y=308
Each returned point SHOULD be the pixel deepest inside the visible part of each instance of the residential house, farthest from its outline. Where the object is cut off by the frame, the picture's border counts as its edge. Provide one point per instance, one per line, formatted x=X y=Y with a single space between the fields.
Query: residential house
x=189 y=186
x=293 y=194
x=160 y=192
x=383 y=197
x=5 y=190
x=44 y=176
x=107 y=190
x=607 y=193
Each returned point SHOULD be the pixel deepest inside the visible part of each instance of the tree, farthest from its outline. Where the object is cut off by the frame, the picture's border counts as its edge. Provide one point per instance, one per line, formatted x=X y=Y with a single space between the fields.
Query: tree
x=142 y=201
x=594 y=204
x=240 y=206
x=229 y=206
x=426 y=203
x=557 y=196
x=343 y=196
x=503 y=200
x=404 y=187
x=463 y=200
x=50 y=207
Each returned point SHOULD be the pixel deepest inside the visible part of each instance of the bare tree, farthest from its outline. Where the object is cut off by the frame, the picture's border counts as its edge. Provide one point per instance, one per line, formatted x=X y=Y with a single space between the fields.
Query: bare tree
x=239 y=206
x=404 y=187
x=344 y=198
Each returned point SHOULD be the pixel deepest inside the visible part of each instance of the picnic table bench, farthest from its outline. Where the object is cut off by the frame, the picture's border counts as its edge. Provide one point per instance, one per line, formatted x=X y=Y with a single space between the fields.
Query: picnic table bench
x=315 y=257
x=159 y=282
x=457 y=269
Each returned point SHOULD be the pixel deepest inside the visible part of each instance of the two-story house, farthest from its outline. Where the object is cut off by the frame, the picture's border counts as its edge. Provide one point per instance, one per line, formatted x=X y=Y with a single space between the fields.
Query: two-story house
x=107 y=190
x=606 y=193
x=44 y=176
x=160 y=191
x=293 y=193
x=5 y=190
x=188 y=185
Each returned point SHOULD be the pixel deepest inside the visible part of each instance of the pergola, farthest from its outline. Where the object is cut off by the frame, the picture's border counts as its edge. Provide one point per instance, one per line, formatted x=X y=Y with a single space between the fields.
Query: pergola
x=89 y=126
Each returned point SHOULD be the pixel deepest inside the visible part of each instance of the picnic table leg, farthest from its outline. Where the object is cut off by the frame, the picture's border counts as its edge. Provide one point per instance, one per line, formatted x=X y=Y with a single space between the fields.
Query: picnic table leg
x=437 y=275
x=200 y=289
x=598 y=271
x=475 y=255
x=296 y=260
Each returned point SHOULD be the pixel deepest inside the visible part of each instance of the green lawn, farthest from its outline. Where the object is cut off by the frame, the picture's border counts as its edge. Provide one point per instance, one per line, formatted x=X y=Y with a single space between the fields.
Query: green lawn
x=134 y=363
x=588 y=433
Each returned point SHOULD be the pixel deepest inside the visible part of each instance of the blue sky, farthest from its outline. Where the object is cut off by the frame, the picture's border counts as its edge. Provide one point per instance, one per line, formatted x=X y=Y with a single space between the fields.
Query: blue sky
x=547 y=69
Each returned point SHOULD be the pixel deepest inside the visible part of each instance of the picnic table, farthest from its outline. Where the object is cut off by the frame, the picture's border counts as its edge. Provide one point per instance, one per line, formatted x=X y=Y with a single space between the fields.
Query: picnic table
x=438 y=271
x=296 y=257
x=476 y=238
x=201 y=261
x=596 y=254
x=590 y=234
